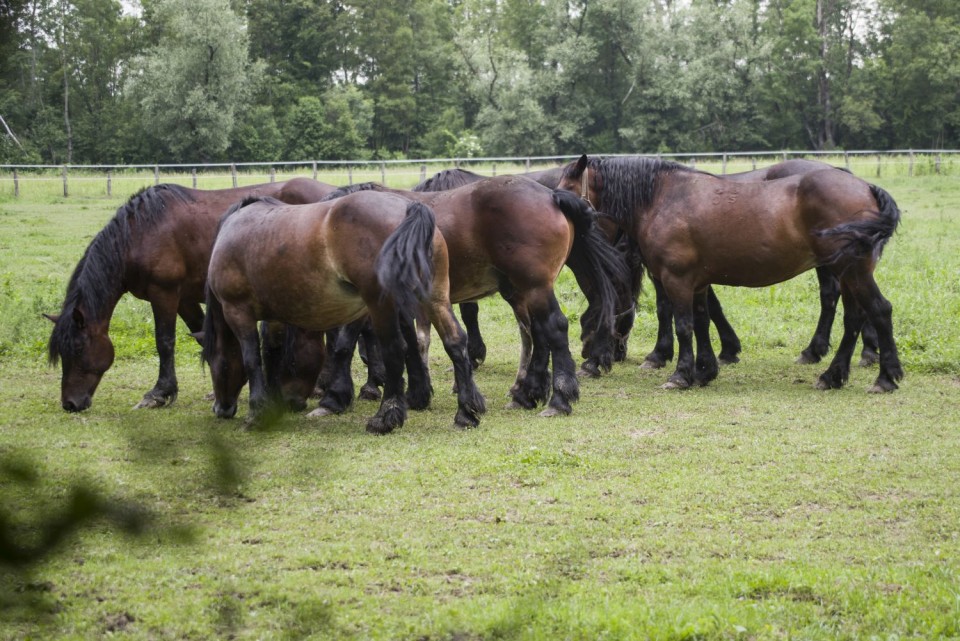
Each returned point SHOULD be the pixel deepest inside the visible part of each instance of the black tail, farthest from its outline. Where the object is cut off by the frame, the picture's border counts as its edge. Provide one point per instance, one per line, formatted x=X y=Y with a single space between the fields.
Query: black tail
x=866 y=237
x=213 y=314
x=405 y=264
x=602 y=273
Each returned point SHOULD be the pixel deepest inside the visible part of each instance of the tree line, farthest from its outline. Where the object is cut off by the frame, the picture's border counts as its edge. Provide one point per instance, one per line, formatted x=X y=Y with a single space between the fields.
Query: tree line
x=100 y=81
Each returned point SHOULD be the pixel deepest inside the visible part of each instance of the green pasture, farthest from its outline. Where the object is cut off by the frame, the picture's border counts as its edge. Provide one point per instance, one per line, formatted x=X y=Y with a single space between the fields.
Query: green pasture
x=754 y=508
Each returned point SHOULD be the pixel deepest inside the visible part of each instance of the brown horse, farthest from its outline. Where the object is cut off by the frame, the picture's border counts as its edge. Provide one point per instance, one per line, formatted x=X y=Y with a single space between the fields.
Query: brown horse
x=694 y=229
x=156 y=247
x=511 y=235
x=327 y=264
x=729 y=342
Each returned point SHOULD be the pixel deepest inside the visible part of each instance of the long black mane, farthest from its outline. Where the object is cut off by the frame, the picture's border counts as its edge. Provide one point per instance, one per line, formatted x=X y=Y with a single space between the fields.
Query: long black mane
x=97 y=280
x=448 y=179
x=628 y=184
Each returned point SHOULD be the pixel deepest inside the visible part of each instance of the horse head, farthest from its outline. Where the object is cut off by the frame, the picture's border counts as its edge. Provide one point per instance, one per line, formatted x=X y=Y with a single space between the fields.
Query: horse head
x=581 y=178
x=82 y=345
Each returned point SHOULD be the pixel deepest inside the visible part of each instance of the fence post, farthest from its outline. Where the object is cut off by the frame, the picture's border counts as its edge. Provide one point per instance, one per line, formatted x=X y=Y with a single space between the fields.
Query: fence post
x=193 y=175
x=233 y=174
x=754 y=163
x=109 y=183
x=423 y=172
x=273 y=175
x=349 y=175
x=784 y=156
x=878 y=165
x=494 y=169
x=910 y=169
x=937 y=164
x=724 y=172
x=64 y=172
x=156 y=174
x=16 y=183
x=315 y=170
x=527 y=164
x=383 y=173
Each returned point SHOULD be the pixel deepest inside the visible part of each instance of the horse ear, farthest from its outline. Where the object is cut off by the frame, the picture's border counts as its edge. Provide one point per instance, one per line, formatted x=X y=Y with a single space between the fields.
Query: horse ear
x=53 y=318
x=581 y=165
x=78 y=318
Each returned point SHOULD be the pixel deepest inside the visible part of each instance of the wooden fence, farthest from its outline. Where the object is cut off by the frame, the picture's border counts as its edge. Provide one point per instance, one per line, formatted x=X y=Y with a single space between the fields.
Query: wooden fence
x=94 y=181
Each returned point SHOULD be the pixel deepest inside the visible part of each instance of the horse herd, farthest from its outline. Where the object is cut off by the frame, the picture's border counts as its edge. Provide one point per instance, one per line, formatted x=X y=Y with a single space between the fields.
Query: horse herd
x=294 y=274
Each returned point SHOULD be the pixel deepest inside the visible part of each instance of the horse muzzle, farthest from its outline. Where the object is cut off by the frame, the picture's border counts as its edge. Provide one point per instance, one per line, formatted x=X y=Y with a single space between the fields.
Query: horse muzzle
x=77 y=404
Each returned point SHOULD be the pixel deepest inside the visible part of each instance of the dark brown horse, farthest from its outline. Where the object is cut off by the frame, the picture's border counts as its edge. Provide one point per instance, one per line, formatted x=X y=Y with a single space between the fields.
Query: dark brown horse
x=694 y=229
x=156 y=247
x=729 y=342
x=324 y=265
x=511 y=235
x=447 y=179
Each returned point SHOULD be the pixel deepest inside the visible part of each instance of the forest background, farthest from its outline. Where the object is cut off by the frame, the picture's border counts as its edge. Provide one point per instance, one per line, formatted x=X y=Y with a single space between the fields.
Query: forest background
x=97 y=81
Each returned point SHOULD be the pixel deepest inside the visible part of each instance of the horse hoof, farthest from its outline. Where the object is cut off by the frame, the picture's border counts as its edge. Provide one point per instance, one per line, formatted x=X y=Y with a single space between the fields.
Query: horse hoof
x=466 y=421
x=807 y=359
x=588 y=372
x=321 y=412
x=822 y=385
x=513 y=405
x=648 y=364
x=675 y=384
x=376 y=425
x=728 y=360
x=151 y=402
x=210 y=396
x=882 y=388
x=369 y=393
x=869 y=359
x=550 y=412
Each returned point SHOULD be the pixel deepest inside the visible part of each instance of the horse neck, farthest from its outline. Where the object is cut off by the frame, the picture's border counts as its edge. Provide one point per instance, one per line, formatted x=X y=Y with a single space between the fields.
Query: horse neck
x=98 y=280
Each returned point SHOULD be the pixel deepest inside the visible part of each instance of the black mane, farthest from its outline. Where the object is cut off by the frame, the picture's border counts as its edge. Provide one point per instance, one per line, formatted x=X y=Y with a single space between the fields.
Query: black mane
x=448 y=179
x=628 y=184
x=350 y=189
x=97 y=280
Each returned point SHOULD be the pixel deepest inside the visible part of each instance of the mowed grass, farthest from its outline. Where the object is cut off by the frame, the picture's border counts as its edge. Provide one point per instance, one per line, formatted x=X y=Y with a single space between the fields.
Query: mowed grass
x=754 y=508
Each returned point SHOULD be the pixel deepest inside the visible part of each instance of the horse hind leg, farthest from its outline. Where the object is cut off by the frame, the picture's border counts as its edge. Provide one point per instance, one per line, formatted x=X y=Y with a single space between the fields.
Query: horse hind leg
x=870 y=355
x=420 y=390
x=838 y=372
x=393 y=407
x=729 y=341
x=706 y=368
x=663 y=349
x=554 y=327
x=829 y=295
x=470 y=403
x=879 y=313
x=372 y=356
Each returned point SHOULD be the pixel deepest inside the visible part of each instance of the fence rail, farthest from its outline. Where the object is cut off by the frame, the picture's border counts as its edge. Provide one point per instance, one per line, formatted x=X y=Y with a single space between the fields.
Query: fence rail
x=94 y=181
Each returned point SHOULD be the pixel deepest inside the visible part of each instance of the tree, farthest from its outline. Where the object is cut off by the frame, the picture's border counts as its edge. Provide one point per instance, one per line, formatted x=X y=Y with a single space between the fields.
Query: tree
x=192 y=82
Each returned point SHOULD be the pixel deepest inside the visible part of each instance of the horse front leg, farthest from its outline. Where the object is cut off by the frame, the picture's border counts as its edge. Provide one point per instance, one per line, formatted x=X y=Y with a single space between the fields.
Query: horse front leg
x=681 y=299
x=879 y=313
x=165 y=390
x=338 y=392
x=706 y=363
x=420 y=389
x=663 y=350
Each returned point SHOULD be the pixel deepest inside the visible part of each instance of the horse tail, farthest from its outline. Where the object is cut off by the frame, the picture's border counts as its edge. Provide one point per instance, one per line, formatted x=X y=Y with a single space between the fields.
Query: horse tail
x=405 y=263
x=866 y=237
x=213 y=319
x=602 y=272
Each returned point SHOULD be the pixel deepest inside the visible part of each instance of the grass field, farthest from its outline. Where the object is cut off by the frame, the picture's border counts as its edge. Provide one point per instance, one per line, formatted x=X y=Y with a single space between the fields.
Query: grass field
x=754 y=508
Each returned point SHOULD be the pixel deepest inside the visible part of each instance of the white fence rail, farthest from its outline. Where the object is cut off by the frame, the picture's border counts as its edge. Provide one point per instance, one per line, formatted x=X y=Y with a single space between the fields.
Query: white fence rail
x=121 y=180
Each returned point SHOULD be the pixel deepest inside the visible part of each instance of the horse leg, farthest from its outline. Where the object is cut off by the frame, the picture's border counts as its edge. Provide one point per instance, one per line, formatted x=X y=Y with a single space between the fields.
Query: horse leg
x=470 y=403
x=870 y=355
x=272 y=337
x=532 y=381
x=326 y=370
x=729 y=341
x=681 y=299
x=549 y=321
x=706 y=363
x=839 y=370
x=477 y=349
x=829 y=295
x=373 y=358
x=165 y=390
x=420 y=390
x=393 y=408
x=663 y=350
x=338 y=394
x=245 y=329
x=879 y=313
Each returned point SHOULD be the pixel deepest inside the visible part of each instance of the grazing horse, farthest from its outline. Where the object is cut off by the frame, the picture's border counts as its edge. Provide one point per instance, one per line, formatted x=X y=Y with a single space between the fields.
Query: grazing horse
x=156 y=247
x=695 y=229
x=729 y=342
x=327 y=264
x=445 y=180
x=511 y=235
